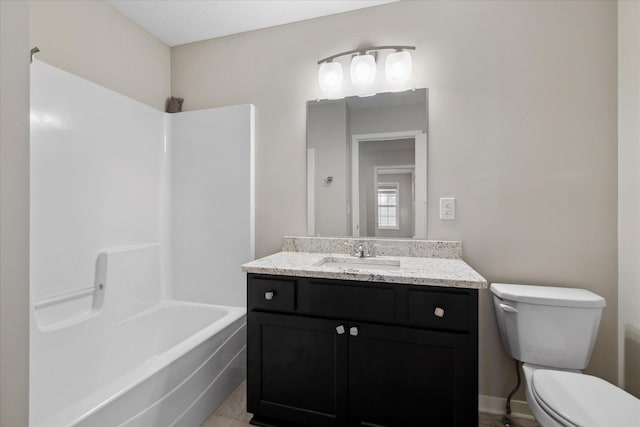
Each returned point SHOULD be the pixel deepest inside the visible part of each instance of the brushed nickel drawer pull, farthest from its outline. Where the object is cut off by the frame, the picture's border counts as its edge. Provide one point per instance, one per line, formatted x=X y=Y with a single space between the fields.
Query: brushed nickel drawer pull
x=269 y=295
x=438 y=312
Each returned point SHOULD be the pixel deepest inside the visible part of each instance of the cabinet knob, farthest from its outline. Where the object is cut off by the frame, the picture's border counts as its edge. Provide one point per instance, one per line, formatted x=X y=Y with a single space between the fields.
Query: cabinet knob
x=269 y=295
x=353 y=331
x=438 y=312
x=340 y=329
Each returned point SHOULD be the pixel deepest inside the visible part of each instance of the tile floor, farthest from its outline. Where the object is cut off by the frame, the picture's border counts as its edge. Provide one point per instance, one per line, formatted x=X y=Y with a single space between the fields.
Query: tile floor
x=232 y=414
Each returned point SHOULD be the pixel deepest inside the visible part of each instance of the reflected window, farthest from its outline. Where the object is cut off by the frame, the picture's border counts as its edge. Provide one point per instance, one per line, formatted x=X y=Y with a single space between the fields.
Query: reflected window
x=388 y=218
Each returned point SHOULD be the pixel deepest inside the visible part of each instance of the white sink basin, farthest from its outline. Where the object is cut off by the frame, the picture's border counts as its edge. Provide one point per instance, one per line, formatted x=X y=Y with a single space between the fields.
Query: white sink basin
x=349 y=262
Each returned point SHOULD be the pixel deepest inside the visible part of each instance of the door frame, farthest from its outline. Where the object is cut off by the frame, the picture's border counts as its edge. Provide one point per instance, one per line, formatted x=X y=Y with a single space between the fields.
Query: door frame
x=420 y=161
x=402 y=170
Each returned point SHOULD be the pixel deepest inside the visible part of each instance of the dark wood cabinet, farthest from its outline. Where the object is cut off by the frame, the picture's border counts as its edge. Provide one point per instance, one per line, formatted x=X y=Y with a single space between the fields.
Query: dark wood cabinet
x=297 y=369
x=343 y=353
x=409 y=377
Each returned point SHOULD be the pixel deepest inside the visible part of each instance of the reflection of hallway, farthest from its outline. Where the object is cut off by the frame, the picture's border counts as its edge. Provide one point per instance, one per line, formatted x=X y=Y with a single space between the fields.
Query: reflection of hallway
x=386 y=161
x=394 y=220
x=346 y=139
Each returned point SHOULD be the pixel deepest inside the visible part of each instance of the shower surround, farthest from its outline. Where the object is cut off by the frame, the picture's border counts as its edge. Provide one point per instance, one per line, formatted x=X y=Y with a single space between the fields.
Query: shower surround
x=140 y=221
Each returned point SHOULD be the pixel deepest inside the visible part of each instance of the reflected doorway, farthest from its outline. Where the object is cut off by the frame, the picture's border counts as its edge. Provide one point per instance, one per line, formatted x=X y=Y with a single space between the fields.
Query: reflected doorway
x=388 y=194
x=393 y=201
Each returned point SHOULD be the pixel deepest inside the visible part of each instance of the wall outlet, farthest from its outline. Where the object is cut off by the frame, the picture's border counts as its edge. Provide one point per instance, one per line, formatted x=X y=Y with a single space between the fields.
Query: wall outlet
x=447 y=208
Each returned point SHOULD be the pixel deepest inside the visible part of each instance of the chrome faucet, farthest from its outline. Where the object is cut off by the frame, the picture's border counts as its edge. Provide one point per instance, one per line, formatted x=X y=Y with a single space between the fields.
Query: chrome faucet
x=359 y=251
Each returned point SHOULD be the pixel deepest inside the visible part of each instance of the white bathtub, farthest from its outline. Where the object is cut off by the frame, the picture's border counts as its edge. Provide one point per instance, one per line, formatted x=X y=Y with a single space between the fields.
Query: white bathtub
x=169 y=365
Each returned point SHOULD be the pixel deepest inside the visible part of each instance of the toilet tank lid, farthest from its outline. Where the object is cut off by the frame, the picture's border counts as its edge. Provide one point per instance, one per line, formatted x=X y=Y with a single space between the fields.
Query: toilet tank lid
x=548 y=295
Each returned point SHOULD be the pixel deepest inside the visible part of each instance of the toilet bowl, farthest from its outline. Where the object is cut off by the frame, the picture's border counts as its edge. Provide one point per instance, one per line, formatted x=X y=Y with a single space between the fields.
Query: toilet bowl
x=553 y=330
x=570 y=398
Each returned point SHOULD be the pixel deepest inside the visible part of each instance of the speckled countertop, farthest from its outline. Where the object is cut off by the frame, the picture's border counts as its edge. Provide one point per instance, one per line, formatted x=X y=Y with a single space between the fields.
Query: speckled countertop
x=413 y=270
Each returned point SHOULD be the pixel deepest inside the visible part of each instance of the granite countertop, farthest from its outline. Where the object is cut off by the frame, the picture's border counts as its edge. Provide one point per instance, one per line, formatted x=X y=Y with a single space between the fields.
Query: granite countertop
x=427 y=271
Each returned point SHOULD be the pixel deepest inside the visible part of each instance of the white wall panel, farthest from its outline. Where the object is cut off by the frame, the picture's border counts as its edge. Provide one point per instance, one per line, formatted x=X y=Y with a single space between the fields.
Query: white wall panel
x=96 y=161
x=212 y=203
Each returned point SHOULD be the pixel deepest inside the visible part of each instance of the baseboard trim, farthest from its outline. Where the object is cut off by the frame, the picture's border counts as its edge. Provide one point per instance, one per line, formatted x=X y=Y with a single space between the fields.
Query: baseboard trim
x=496 y=405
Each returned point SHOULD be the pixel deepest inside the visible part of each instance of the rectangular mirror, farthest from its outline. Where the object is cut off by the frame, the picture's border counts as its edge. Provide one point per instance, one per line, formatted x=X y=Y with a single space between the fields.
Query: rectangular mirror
x=367 y=166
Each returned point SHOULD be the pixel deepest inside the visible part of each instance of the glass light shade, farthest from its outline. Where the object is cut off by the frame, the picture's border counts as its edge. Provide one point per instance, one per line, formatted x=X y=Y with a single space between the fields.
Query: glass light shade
x=363 y=70
x=398 y=67
x=330 y=76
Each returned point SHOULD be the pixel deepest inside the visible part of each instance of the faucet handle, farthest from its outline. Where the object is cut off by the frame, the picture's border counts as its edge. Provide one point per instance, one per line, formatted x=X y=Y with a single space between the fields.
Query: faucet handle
x=372 y=249
x=359 y=249
x=353 y=248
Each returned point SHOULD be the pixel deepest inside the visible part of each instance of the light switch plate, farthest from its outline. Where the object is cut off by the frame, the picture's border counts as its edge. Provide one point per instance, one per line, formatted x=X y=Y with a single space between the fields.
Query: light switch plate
x=447 y=208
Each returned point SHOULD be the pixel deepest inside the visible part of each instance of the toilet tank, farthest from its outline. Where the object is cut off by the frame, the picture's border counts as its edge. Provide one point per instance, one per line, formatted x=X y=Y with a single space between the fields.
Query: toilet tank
x=548 y=326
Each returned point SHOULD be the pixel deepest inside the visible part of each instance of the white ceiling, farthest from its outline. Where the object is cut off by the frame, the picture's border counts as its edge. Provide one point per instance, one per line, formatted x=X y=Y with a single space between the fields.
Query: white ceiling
x=177 y=22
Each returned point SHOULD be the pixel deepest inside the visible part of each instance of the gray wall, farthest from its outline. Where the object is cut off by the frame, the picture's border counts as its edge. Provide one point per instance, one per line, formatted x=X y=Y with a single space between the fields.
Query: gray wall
x=389 y=119
x=629 y=193
x=14 y=213
x=327 y=134
x=94 y=41
x=522 y=131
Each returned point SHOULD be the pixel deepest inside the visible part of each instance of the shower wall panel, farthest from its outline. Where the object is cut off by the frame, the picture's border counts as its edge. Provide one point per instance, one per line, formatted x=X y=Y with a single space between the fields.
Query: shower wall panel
x=96 y=164
x=212 y=203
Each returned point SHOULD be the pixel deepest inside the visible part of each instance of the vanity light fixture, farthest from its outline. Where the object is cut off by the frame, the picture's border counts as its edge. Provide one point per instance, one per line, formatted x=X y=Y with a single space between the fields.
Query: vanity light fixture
x=363 y=67
x=330 y=76
x=397 y=67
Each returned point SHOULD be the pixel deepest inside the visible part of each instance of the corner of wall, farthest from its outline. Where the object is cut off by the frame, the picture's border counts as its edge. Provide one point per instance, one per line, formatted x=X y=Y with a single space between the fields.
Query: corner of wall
x=14 y=213
x=629 y=196
x=96 y=42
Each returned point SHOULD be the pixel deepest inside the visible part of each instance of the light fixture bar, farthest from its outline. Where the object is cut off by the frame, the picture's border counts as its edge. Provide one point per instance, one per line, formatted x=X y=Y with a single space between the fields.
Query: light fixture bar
x=365 y=50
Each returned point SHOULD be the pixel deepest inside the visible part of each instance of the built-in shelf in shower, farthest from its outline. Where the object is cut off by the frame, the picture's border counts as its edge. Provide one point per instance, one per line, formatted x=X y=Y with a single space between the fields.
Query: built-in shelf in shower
x=71 y=307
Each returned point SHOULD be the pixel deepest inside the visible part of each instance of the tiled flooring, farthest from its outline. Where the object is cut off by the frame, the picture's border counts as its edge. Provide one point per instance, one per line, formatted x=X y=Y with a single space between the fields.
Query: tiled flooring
x=232 y=414
x=491 y=420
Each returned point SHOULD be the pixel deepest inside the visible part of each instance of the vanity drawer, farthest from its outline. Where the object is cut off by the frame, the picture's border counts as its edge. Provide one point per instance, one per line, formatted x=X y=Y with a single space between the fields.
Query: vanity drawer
x=271 y=294
x=347 y=300
x=446 y=310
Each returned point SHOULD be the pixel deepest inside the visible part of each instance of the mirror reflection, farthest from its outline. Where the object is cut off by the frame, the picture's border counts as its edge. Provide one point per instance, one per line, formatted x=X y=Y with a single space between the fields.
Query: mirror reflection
x=367 y=166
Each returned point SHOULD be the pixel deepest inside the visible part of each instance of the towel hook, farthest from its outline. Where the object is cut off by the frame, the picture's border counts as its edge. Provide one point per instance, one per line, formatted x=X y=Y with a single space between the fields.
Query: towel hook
x=33 y=53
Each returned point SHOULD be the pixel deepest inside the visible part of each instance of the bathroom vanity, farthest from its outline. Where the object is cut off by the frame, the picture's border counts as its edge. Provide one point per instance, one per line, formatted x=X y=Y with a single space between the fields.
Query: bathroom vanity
x=335 y=340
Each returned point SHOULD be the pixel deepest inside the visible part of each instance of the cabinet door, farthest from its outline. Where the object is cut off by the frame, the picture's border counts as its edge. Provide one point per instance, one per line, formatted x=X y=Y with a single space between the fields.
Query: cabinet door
x=297 y=370
x=409 y=377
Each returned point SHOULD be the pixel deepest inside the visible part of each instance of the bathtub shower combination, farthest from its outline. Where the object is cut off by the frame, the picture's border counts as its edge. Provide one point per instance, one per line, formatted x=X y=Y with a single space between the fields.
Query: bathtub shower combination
x=140 y=221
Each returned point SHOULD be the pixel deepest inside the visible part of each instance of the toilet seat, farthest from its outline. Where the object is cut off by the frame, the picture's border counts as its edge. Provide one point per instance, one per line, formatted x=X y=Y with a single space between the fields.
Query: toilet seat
x=575 y=399
x=550 y=412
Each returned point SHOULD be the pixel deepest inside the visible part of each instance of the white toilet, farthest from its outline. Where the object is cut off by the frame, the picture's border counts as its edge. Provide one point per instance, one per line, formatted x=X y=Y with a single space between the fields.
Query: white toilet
x=553 y=330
